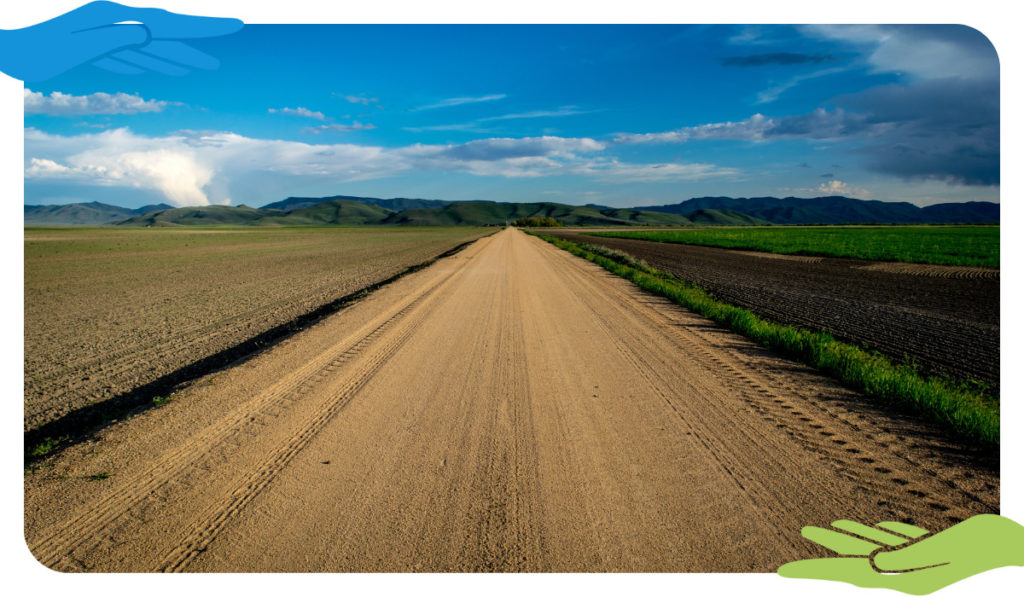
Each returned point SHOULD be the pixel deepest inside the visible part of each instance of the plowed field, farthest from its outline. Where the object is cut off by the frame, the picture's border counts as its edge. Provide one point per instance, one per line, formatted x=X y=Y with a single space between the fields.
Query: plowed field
x=944 y=318
x=108 y=310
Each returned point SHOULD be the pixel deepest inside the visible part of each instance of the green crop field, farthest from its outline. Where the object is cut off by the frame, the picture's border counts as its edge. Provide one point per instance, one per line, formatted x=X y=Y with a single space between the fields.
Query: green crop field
x=942 y=245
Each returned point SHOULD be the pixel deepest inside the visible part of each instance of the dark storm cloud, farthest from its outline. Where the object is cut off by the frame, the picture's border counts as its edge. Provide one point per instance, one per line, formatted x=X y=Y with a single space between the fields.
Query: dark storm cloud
x=942 y=129
x=819 y=124
x=783 y=58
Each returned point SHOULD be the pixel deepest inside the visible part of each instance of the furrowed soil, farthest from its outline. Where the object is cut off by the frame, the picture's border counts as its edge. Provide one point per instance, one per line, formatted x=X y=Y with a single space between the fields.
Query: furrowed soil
x=509 y=408
x=110 y=310
x=944 y=318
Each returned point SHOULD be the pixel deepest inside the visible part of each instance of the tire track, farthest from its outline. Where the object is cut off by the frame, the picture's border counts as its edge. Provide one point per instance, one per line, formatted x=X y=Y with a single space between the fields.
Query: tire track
x=86 y=530
x=881 y=464
x=513 y=409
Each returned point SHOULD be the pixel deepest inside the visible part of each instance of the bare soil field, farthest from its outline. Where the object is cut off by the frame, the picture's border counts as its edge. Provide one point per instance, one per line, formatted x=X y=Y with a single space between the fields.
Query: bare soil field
x=946 y=319
x=109 y=310
x=509 y=408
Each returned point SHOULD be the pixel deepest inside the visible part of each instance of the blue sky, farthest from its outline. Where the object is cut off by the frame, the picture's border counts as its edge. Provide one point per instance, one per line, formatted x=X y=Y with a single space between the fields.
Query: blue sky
x=615 y=115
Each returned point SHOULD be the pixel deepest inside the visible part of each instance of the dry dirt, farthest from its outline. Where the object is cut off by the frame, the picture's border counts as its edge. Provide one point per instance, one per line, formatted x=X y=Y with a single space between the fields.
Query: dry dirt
x=510 y=408
x=110 y=310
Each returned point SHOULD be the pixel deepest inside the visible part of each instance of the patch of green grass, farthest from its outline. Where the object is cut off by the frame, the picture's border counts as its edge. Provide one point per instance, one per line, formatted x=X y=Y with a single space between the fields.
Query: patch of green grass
x=99 y=476
x=46 y=446
x=161 y=400
x=958 y=406
x=942 y=245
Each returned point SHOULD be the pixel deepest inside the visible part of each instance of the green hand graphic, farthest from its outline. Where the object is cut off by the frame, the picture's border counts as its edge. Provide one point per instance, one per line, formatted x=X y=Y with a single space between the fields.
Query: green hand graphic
x=899 y=556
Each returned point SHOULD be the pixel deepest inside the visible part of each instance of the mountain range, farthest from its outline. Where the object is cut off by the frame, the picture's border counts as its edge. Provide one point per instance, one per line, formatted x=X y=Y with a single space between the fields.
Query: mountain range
x=84 y=214
x=344 y=210
x=840 y=210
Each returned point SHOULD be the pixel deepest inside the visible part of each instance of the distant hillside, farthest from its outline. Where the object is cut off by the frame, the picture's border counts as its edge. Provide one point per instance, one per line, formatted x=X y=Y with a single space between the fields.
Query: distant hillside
x=83 y=214
x=207 y=215
x=724 y=217
x=363 y=211
x=397 y=204
x=840 y=210
x=484 y=213
x=343 y=212
x=327 y=213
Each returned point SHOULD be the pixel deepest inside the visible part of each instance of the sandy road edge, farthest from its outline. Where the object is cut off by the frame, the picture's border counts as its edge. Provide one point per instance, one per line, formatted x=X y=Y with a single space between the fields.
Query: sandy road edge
x=53 y=437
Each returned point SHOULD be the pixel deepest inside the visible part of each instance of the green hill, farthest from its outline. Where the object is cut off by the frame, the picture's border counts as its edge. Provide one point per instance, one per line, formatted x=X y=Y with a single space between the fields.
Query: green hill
x=83 y=214
x=724 y=217
x=488 y=213
x=328 y=213
x=334 y=213
x=207 y=215
x=344 y=212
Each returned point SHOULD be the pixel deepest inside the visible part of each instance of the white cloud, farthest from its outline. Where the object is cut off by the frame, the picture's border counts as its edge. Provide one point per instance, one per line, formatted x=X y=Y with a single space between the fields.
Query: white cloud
x=458 y=101
x=62 y=104
x=300 y=111
x=337 y=128
x=923 y=51
x=820 y=124
x=203 y=167
x=615 y=171
x=838 y=187
x=562 y=111
x=354 y=99
x=772 y=93
x=751 y=129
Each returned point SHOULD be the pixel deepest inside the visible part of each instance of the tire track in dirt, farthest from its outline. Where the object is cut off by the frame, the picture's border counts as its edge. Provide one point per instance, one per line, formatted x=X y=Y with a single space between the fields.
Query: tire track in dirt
x=89 y=527
x=838 y=427
x=513 y=408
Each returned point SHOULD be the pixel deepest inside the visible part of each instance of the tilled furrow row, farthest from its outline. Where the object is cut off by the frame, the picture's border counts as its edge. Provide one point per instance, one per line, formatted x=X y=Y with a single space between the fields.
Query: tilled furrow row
x=85 y=530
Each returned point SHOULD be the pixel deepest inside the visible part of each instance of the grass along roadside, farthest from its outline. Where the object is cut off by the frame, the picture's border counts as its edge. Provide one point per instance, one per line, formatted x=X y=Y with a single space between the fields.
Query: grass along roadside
x=976 y=246
x=961 y=409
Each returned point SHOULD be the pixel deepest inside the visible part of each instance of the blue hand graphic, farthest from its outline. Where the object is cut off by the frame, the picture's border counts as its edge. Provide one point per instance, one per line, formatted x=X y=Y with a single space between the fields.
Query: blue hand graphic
x=112 y=36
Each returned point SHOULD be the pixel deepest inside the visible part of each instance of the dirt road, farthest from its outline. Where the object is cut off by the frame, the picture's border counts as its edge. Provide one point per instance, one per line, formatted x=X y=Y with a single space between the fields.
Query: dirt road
x=509 y=408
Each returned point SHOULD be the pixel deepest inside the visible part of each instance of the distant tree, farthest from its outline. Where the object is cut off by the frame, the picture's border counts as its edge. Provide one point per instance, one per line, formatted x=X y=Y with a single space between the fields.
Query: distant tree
x=537 y=223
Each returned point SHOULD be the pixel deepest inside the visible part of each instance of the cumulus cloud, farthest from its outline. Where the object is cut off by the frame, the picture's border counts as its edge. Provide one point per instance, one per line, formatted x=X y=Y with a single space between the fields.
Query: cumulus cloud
x=838 y=187
x=62 y=104
x=300 y=111
x=202 y=167
x=458 y=101
x=177 y=172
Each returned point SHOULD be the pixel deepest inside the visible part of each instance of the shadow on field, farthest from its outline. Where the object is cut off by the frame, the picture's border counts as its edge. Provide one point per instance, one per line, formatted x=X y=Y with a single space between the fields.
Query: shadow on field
x=80 y=424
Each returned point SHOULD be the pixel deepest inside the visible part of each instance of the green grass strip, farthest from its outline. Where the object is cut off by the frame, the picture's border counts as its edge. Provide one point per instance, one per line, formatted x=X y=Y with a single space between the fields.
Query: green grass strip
x=941 y=245
x=955 y=405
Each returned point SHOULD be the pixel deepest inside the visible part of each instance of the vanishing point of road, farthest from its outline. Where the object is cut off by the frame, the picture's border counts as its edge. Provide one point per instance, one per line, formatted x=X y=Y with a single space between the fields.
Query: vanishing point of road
x=509 y=408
